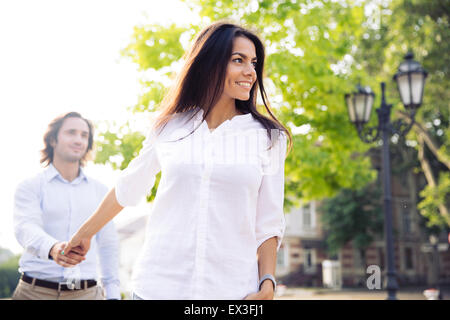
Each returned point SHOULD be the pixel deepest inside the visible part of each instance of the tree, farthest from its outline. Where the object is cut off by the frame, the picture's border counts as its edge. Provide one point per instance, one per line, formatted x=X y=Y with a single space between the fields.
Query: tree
x=316 y=52
x=423 y=27
x=307 y=71
x=9 y=276
x=353 y=216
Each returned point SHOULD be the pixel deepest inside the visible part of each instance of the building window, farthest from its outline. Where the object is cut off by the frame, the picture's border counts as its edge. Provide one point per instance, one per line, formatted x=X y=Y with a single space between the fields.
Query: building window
x=409 y=259
x=282 y=258
x=309 y=260
x=406 y=217
x=308 y=215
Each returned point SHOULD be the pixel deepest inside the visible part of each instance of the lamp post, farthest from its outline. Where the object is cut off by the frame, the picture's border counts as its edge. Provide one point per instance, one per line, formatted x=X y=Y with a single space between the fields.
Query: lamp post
x=410 y=79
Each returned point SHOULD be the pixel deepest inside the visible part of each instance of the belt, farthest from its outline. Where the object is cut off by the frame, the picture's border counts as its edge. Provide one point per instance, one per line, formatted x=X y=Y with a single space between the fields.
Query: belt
x=84 y=284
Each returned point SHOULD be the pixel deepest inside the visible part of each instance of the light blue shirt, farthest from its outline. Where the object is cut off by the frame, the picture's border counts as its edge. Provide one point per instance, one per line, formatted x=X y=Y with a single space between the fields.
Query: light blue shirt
x=49 y=209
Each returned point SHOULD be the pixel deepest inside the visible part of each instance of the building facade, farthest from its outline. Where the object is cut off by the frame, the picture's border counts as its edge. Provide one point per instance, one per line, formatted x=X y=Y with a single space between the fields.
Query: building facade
x=417 y=262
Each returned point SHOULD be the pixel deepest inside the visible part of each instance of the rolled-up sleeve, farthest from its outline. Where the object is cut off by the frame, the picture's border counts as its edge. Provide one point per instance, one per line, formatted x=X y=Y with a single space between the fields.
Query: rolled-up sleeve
x=139 y=177
x=28 y=224
x=270 y=220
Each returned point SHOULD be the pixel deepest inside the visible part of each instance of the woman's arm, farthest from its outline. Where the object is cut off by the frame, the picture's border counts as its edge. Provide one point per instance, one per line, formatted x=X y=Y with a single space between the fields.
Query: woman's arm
x=267 y=259
x=105 y=212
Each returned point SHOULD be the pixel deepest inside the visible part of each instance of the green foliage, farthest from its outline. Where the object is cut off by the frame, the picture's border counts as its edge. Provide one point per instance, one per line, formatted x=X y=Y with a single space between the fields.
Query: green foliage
x=151 y=98
x=155 y=46
x=353 y=216
x=306 y=48
x=432 y=198
x=151 y=196
x=316 y=52
x=9 y=277
x=118 y=149
x=423 y=27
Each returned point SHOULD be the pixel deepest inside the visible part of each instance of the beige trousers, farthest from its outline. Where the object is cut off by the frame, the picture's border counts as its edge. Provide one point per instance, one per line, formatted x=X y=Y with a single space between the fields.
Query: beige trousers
x=27 y=291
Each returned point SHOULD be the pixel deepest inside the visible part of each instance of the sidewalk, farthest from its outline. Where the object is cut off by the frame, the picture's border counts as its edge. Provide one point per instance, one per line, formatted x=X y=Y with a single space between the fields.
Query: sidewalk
x=351 y=294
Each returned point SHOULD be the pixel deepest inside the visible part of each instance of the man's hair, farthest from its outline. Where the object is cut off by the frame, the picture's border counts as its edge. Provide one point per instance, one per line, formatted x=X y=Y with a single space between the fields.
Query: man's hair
x=52 y=135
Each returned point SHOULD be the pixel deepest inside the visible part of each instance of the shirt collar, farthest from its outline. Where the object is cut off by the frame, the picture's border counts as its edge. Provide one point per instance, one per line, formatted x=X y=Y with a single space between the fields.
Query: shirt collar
x=51 y=172
x=237 y=118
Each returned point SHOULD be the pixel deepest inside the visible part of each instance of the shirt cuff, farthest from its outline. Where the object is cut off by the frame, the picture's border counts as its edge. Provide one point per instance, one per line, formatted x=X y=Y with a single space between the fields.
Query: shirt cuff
x=118 y=194
x=44 y=252
x=112 y=291
x=279 y=239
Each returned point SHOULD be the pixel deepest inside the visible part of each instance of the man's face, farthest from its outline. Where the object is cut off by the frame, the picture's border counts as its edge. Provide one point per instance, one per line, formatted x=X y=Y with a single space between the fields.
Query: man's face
x=72 y=140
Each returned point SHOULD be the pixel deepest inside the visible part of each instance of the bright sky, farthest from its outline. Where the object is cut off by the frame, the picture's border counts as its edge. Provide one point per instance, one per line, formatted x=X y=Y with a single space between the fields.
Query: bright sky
x=59 y=56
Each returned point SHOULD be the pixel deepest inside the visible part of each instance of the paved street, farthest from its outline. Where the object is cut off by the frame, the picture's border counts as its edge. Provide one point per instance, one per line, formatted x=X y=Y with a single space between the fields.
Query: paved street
x=352 y=294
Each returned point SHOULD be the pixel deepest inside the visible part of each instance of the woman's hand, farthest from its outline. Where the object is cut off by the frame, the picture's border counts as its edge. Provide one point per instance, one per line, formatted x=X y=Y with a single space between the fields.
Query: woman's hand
x=69 y=259
x=266 y=292
x=77 y=244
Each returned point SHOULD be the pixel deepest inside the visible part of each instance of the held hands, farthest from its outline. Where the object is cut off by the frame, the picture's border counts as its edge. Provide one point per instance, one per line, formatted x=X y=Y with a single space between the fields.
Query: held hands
x=79 y=245
x=69 y=258
x=69 y=254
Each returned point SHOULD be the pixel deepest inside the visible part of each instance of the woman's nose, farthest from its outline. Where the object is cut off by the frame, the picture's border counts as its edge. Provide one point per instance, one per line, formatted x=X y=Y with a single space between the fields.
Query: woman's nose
x=250 y=71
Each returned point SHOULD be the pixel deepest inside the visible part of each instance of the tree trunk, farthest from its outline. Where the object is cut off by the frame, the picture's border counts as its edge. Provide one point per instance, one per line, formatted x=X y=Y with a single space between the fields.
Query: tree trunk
x=431 y=144
x=429 y=175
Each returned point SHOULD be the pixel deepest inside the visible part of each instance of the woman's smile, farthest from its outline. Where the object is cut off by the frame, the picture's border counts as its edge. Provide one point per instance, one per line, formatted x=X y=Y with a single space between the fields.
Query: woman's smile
x=244 y=84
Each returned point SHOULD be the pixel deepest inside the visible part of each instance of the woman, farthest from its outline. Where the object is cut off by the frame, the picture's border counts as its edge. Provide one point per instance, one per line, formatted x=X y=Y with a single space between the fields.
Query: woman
x=217 y=221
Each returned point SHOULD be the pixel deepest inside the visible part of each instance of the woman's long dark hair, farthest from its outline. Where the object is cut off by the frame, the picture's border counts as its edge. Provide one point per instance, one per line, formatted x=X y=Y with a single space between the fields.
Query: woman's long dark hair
x=201 y=80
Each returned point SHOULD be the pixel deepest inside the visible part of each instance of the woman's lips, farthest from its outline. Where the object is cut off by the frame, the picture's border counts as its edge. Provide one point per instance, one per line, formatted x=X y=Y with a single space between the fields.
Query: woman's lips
x=244 y=84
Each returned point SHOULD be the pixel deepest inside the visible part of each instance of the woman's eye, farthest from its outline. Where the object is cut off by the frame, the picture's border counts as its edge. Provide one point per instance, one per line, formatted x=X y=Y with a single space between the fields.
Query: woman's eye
x=237 y=60
x=254 y=64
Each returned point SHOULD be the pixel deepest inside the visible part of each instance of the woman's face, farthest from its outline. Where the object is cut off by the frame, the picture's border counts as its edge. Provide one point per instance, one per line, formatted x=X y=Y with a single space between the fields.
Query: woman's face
x=241 y=73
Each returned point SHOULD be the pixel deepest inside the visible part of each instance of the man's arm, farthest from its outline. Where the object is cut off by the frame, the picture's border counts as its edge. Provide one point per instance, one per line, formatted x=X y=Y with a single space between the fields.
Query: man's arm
x=29 y=227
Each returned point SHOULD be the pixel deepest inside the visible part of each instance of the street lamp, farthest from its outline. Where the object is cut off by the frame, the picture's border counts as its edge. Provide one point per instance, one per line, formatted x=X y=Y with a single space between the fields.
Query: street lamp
x=410 y=79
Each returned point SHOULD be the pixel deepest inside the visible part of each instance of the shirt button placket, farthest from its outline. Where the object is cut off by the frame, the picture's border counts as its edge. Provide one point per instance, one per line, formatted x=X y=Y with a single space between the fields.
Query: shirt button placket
x=70 y=228
x=202 y=221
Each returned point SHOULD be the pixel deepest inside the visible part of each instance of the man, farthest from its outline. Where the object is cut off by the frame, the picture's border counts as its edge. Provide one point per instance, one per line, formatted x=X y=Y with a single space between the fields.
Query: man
x=50 y=207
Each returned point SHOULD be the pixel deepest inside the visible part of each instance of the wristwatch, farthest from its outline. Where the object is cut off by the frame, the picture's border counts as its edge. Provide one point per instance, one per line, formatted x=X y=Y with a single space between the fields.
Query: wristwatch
x=268 y=277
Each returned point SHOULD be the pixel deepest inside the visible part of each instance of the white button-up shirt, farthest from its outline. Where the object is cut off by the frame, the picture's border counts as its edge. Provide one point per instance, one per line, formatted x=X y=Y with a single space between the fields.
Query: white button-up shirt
x=219 y=198
x=49 y=209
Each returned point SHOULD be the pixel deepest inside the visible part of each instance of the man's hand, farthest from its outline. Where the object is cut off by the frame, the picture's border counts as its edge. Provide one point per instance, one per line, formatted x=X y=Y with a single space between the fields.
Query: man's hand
x=266 y=292
x=68 y=259
x=79 y=245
